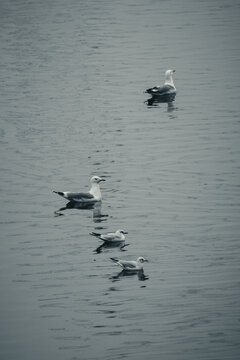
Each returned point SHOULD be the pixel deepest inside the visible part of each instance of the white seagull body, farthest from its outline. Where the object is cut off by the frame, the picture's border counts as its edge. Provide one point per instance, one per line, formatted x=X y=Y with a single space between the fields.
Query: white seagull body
x=92 y=196
x=111 y=238
x=130 y=265
x=168 y=87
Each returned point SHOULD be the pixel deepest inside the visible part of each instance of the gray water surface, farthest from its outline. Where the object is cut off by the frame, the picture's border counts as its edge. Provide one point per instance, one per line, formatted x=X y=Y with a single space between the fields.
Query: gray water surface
x=73 y=75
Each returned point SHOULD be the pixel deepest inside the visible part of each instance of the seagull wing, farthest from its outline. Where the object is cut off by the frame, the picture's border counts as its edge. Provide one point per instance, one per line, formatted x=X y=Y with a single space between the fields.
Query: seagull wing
x=128 y=264
x=111 y=237
x=125 y=264
x=79 y=196
x=160 y=90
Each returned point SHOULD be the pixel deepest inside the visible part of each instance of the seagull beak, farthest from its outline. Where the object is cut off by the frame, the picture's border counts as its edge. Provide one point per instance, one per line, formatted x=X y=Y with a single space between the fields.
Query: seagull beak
x=125 y=232
x=102 y=179
x=174 y=70
x=145 y=260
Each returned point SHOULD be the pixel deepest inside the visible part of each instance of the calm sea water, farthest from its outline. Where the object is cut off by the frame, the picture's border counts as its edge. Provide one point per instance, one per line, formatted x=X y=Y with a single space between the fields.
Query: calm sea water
x=73 y=75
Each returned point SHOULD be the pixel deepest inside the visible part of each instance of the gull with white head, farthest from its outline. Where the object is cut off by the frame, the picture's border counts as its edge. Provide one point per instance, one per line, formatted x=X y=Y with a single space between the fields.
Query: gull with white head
x=130 y=265
x=118 y=236
x=92 y=196
x=111 y=240
x=167 y=89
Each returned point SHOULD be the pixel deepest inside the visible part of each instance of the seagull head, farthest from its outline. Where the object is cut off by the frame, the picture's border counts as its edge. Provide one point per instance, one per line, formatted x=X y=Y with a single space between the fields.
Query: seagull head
x=169 y=72
x=96 y=180
x=141 y=259
x=122 y=231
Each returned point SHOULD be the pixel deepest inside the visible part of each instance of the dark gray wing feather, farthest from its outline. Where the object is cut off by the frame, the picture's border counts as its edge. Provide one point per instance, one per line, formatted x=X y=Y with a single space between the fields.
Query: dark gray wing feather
x=128 y=265
x=95 y=234
x=79 y=196
x=160 y=90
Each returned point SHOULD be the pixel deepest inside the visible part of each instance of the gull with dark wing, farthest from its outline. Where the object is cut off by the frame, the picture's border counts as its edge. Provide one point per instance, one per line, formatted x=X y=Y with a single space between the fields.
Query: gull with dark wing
x=166 y=89
x=92 y=196
x=130 y=265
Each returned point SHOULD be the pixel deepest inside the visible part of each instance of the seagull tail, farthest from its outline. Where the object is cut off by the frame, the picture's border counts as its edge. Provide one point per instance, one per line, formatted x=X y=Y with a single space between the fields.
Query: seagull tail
x=59 y=193
x=95 y=234
x=150 y=90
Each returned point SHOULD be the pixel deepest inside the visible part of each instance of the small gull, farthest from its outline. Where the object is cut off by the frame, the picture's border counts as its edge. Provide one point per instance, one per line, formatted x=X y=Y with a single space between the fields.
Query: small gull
x=119 y=235
x=110 y=240
x=130 y=265
x=168 y=87
x=93 y=195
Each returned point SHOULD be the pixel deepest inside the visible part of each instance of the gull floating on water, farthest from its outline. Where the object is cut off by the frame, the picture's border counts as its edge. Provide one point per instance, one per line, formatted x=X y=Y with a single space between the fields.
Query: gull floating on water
x=119 y=235
x=130 y=265
x=92 y=196
x=116 y=239
x=168 y=87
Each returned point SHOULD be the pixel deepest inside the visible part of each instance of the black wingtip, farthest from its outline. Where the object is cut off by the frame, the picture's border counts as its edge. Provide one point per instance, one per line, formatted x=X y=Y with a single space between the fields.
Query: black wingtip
x=58 y=192
x=95 y=234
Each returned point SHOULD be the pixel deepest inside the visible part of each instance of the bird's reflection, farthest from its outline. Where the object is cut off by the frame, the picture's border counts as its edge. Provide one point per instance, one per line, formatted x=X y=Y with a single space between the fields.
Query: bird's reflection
x=95 y=207
x=168 y=99
x=140 y=274
x=106 y=245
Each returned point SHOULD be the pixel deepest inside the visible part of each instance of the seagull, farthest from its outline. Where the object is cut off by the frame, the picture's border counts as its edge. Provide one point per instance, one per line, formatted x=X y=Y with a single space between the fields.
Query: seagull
x=130 y=265
x=116 y=239
x=92 y=196
x=168 y=87
x=118 y=236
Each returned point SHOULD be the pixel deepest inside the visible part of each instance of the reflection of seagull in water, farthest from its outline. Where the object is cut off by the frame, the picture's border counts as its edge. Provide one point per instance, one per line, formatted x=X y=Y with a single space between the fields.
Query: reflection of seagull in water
x=168 y=99
x=168 y=87
x=92 y=196
x=111 y=239
x=94 y=206
x=130 y=265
